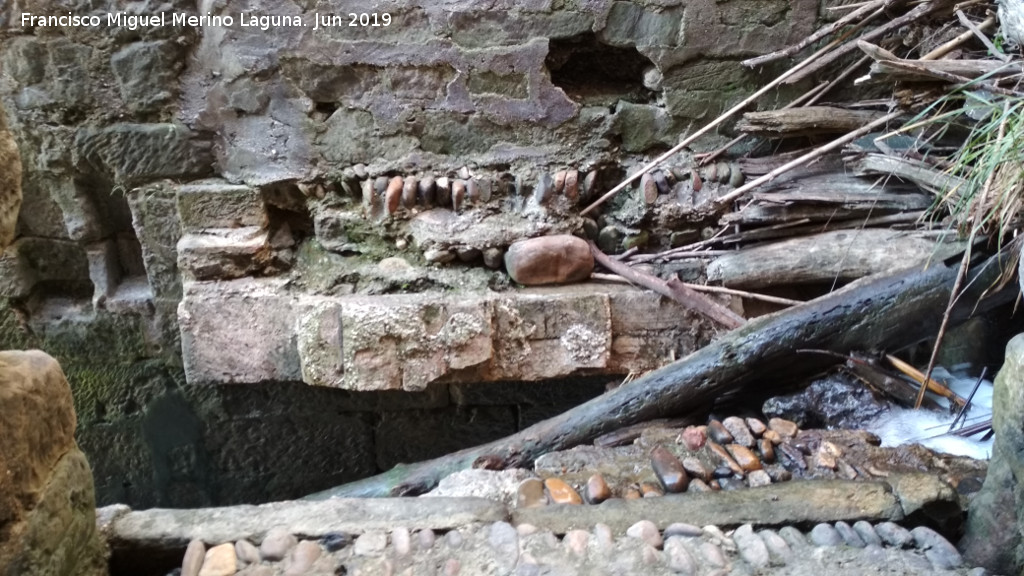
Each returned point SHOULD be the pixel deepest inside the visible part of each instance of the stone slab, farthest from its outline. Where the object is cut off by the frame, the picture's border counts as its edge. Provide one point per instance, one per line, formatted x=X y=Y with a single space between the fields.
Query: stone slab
x=777 y=504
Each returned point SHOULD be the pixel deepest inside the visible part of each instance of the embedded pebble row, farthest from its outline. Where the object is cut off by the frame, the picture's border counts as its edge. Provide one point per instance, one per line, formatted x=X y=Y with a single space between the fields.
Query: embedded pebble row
x=501 y=548
x=723 y=455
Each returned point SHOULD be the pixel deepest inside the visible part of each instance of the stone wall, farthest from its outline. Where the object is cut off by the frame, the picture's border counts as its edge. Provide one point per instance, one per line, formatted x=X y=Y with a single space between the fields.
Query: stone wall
x=218 y=204
x=47 y=505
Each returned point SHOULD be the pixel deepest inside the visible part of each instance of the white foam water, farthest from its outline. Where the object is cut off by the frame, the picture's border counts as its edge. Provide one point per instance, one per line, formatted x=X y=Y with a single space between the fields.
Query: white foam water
x=929 y=427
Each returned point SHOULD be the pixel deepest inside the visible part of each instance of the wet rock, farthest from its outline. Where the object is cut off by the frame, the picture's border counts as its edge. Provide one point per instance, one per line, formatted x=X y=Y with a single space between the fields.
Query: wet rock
x=680 y=561
x=683 y=530
x=826 y=535
x=530 y=493
x=894 y=535
x=867 y=532
x=192 y=563
x=725 y=457
x=597 y=490
x=837 y=401
x=767 y=450
x=850 y=536
x=718 y=433
x=646 y=530
x=549 y=260
x=731 y=483
x=751 y=547
x=757 y=427
x=740 y=432
x=220 y=561
x=694 y=467
x=669 y=470
x=694 y=437
x=743 y=456
x=793 y=455
x=467 y=254
x=773 y=437
x=784 y=428
x=942 y=554
x=276 y=544
x=561 y=493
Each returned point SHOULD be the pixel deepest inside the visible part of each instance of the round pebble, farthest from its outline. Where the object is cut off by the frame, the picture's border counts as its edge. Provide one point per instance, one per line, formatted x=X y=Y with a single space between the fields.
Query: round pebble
x=557 y=259
x=777 y=546
x=867 y=532
x=826 y=535
x=530 y=493
x=525 y=529
x=246 y=552
x=401 y=541
x=603 y=537
x=718 y=433
x=276 y=544
x=334 y=541
x=767 y=450
x=192 y=563
x=757 y=427
x=597 y=490
x=425 y=539
x=647 y=531
x=784 y=428
x=740 y=431
x=220 y=561
x=680 y=560
x=452 y=567
x=669 y=470
x=725 y=457
x=453 y=539
x=575 y=542
x=745 y=457
x=504 y=540
x=894 y=535
x=694 y=467
x=937 y=549
x=694 y=437
x=302 y=557
x=793 y=537
x=713 y=554
x=684 y=530
x=651 y=490
x=698 y=485
x=561 y=493
x=751 y=547
x=758 y=478
x=371 y=543
x=850 y=536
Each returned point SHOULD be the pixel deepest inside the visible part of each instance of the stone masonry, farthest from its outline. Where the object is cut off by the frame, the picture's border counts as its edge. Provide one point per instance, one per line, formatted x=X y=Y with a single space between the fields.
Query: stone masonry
x=319 y=212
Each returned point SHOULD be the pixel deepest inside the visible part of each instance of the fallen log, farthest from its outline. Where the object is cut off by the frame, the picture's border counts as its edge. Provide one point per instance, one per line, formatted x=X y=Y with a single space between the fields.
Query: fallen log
x=806 y=121
x=884 y=312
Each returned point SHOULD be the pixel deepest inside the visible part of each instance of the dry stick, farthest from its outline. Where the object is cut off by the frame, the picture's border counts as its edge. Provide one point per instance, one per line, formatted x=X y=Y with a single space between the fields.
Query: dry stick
x=817 y=152
x=817 y=35
x=742 y=293
x=964 y=263
x=852 y=45
x=959 y=82
x=976 y=30
x=707 y=128
x=958 y=41
x=674 y=290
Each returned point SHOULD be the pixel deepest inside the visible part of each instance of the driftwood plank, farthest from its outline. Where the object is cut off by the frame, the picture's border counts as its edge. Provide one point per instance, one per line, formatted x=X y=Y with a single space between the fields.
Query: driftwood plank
x=916 y=171
x=805 y=121
x=885 y=312
x=840 y=255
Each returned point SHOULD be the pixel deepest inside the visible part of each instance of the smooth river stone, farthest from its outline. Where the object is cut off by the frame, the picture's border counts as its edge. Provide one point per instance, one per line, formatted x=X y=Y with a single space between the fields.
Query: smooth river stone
x=409 y=189
x=276 y=544
x=195 y=553
x=669 y=470
x=740 y=432
x=530 y=494
x=648 y=188
x=597 y=490
x=784 y=428
x=756 y=426
x=767 y=450
x=694 y=437
x=220 y=561
x=647 y=531
x=393 y=194
x=718 y=433
x=651 y=490
x=572 y=188
x=458 y=194
x=745 y=457
x=727 y=458
x=561 y=493
x=694 y=467
x=549 y=260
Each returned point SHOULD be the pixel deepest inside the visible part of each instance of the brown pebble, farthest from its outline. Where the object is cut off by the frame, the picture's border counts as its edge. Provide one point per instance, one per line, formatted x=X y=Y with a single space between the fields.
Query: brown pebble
x=572 y=185
x=393 y=194
x=823 y=459
x=549 y=260
x=651 y=490
x=561 y=493
x=409 y=190
x=756 y=426
x=597 y=490
x=589 y=183
x=694 y=467
x=458 y=194
x=718 y=433
x=773 y=437
x=745 y=457
x=530 y=494
x=695 y=181
x=648 y=188
x=767 y=450
x=694 y=437
x=669 y=470
x=715 y=485
x=758 y=478
x=559 y=181
x=724 y=456
x=632 y=492
x=785 y=428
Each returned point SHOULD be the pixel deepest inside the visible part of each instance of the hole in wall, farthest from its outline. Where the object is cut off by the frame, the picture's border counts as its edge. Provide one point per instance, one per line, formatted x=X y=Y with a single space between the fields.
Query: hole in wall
x=326 y=108
x=591 y=72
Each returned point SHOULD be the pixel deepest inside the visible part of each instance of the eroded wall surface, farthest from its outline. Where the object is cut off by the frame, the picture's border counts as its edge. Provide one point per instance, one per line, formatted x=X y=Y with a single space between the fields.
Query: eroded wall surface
x=316 y=216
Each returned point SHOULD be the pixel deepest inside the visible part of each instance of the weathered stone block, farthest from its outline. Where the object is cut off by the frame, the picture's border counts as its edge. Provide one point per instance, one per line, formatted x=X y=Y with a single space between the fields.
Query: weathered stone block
x=217 y=204
x=398 y=342
x=238 y=332
x=130 y=153
x=224 y=253
x=156 y=223
x=10 y=183
x=104 y=270
x=146 y=74
x=46 y=493
x=32 y=260
x=319 y=335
